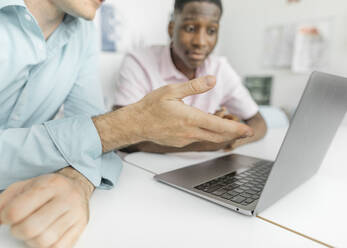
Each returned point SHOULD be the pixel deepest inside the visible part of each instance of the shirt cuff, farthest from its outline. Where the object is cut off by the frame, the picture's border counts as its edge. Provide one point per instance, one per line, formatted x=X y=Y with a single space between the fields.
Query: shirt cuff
x=79 y=143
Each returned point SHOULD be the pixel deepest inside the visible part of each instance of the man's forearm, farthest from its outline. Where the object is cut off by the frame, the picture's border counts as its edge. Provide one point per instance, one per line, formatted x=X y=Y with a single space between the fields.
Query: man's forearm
x=116 y=129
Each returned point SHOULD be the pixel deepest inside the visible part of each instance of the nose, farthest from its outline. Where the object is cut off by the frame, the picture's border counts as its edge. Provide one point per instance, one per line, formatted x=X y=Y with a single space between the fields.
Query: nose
x=199 y=39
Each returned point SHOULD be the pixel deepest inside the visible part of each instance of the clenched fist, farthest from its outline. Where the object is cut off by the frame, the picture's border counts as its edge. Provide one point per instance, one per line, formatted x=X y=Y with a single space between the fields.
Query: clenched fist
x=47 y=211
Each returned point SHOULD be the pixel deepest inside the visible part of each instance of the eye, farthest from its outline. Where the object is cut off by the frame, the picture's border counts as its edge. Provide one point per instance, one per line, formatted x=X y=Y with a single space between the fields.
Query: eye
x=211 y=31
x=189 y=28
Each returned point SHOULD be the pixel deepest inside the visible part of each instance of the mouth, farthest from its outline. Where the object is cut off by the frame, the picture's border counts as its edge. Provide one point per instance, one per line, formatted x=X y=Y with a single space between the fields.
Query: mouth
x=198 y=56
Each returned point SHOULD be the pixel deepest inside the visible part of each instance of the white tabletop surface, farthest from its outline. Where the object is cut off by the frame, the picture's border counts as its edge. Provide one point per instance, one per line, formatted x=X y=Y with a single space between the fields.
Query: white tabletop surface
x=141 y=212
x=318 y=207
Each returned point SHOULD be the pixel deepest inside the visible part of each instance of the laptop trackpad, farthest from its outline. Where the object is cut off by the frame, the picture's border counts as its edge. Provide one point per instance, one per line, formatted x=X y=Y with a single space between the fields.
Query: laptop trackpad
x=196 y=174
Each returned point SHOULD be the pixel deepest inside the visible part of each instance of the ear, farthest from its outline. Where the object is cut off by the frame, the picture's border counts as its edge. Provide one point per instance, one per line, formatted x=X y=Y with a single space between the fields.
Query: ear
x=171 y=28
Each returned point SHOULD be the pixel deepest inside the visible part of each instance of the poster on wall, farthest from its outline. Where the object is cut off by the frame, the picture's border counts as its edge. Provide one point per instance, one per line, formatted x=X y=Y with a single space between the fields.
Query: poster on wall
x=278 y=46
x=108 y=24
x=118 y=33
x=300 y=47
x=311 y=47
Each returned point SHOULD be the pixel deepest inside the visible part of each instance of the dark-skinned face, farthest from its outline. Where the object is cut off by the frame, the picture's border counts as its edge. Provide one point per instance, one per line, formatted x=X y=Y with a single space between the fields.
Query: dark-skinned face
x=194 y=34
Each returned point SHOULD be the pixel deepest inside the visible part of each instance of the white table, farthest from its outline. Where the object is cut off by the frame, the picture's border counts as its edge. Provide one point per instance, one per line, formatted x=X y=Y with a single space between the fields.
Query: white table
x=141 y=212
x=318 y=208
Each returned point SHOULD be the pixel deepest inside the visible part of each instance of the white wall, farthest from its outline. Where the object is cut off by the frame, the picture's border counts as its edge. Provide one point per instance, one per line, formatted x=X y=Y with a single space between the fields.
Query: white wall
x=145 y=22
x=242 y=36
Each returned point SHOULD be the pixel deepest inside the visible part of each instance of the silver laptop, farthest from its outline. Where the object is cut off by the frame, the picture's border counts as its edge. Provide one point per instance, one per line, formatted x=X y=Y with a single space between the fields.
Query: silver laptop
x=249 y=185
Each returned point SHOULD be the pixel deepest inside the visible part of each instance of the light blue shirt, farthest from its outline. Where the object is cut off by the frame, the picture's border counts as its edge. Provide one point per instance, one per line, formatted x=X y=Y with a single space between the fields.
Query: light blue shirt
x=37 y=77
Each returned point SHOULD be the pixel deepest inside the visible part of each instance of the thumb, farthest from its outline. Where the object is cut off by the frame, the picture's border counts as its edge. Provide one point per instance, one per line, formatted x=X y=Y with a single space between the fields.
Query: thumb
x=193 y=87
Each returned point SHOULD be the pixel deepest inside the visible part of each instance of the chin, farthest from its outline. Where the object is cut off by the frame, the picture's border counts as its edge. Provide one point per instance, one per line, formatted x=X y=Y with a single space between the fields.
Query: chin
x=88 y=14
x=88 y=17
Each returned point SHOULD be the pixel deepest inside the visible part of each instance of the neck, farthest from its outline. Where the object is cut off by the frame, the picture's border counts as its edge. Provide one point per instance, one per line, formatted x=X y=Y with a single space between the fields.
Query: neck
x=180 y=66
x=46 y=14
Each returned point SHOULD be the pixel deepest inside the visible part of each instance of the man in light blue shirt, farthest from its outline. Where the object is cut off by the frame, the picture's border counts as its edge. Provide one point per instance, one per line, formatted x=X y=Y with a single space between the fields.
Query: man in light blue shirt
x=48 y=58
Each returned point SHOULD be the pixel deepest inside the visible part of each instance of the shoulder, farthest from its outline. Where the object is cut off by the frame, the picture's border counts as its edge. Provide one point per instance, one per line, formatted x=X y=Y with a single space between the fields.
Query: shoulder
x=148 y=58
x=147 y=54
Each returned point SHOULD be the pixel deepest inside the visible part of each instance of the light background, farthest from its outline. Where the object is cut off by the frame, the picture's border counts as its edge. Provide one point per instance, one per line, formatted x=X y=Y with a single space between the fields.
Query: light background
x=241 y=38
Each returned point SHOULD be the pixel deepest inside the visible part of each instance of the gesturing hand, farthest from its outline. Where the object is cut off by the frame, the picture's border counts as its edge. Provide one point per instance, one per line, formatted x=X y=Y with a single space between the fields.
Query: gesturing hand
x=47 y=211
x=166 y=120
x=162 y=117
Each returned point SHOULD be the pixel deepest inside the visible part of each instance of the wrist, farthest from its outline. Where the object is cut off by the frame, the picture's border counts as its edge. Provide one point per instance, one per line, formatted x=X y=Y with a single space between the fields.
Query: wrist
x=79 y=179
x=119 y=129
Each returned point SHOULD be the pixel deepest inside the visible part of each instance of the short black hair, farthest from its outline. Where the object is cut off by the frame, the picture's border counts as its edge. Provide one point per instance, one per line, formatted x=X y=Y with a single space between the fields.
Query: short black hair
x=179 y=4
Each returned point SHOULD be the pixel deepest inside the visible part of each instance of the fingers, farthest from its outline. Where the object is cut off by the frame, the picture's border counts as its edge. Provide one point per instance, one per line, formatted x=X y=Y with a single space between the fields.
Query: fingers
x=11 y=192
x=230 y=129
x=40 y=220
x=25 y=204
x=54 y=232
x=70 y=237
x=49 y=210
x=206 y=135
x=232 y=117
x=193 y=87
x=221 y=113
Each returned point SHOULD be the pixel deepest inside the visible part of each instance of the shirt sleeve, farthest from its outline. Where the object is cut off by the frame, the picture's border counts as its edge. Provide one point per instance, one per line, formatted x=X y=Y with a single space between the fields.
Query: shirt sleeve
x=132 y=82
x=71 y=141
x=83 y=151
x=237 y=98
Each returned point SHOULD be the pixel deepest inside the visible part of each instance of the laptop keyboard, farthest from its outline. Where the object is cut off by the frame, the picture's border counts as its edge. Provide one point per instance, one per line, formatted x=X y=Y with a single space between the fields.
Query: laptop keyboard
x=243 y=188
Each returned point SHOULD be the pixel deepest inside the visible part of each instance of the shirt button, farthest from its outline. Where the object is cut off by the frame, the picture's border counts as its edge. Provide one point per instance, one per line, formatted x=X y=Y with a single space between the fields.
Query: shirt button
x=41 y=46
x=28 y=17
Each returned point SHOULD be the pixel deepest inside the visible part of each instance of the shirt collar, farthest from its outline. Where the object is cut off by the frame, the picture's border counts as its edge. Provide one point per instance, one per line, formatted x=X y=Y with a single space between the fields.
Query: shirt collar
x=70 y=23
x=6 y=3
x=168 y=69
x=63 y=33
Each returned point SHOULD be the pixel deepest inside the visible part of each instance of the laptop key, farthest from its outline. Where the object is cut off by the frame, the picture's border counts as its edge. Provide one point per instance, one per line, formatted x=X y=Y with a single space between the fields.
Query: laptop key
x=214 y=188
x=219 y=192
x=252 y=192
x=246 y=195
x=249 y=200
x=238 y=190
x=258 y=189
x=233 y=193
x=256 y=197
x=238 y=199
x=227 y=196
x=231 y=187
